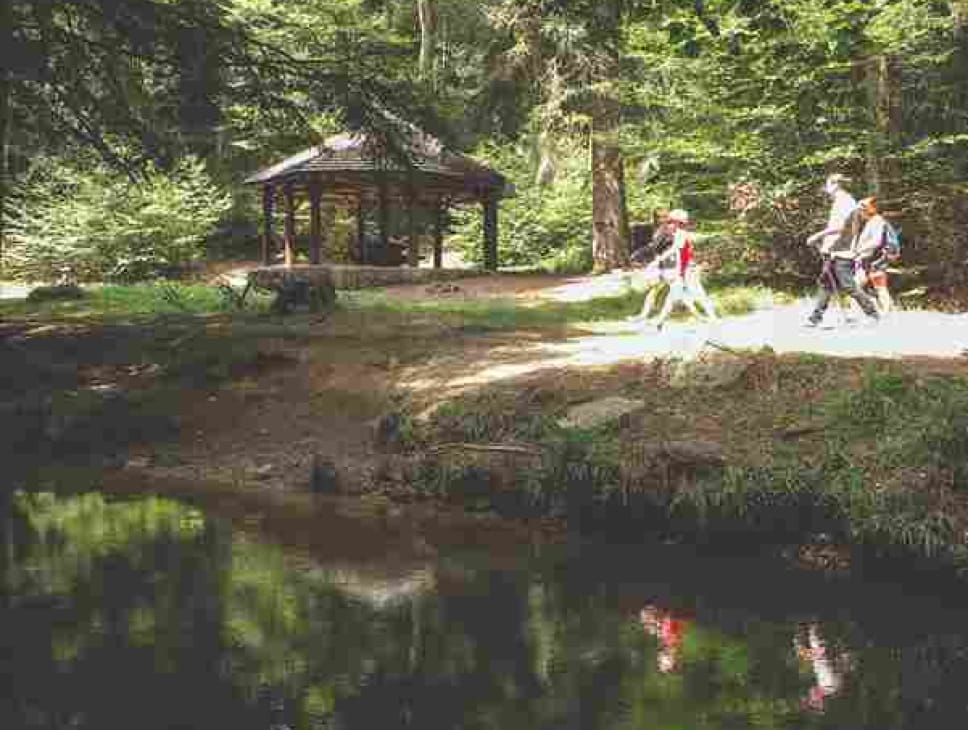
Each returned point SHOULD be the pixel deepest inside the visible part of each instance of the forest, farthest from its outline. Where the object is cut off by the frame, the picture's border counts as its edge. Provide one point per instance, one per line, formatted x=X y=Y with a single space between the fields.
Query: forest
x=127 y=127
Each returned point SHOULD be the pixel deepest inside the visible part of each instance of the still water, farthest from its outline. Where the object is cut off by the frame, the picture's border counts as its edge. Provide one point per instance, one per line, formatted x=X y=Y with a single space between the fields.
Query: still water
x=147 y=613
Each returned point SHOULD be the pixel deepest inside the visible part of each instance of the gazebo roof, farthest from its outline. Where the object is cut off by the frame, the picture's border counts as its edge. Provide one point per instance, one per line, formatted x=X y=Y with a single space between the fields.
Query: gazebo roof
x=353 y=161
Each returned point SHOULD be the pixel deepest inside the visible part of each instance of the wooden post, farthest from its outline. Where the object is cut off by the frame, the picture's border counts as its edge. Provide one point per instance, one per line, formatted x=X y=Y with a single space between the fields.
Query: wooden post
x=384 y=224
x=361 y=252
x=413 y=250
x=315 y=223
x=268 y=199
x=290 y=242
x=440 y=211
x=490 y=233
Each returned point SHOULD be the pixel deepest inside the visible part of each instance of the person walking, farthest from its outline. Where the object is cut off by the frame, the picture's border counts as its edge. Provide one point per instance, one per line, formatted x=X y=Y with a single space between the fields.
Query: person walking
x=841 y=206
x=662 y=270
x=686 y=286
x=837 y=248
x=871 y=250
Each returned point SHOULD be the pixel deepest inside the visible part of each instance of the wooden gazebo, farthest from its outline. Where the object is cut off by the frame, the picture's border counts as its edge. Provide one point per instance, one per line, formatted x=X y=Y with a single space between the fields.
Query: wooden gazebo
x=350 y=170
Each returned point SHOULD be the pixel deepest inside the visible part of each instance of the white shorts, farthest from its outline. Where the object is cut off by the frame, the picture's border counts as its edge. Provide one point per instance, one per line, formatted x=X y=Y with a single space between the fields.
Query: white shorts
x=654 y=275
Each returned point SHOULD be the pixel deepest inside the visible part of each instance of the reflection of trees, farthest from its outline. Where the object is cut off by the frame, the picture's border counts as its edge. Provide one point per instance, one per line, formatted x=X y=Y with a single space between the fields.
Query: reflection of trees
x=165 y=620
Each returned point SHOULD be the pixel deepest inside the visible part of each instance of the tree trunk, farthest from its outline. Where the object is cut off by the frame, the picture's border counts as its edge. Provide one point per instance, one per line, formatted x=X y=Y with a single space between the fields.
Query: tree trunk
x=198 y=81
x=427 y=16
x=959 y=84
x=958 y=125
x=6 y=125
x=883 y=164
x=609 y=248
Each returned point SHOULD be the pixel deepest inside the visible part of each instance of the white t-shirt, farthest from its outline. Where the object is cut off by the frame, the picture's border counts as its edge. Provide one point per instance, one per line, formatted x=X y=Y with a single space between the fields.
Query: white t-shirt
x=843 y=205
x=870 y=237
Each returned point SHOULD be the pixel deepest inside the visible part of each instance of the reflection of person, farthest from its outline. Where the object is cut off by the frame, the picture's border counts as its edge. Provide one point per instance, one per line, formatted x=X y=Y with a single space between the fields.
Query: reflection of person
x=669 y=629
x=828 y=666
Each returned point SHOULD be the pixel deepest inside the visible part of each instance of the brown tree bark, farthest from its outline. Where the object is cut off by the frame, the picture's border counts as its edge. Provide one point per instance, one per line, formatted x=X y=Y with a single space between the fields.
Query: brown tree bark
x=884 y=75
x=959 y=125
x=6 y=125
x=609 y=249
x=610 y=226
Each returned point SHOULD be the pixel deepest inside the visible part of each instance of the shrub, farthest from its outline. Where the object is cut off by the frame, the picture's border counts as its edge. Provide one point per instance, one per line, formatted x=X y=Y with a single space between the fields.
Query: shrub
x=546 y=226
x=95 y=223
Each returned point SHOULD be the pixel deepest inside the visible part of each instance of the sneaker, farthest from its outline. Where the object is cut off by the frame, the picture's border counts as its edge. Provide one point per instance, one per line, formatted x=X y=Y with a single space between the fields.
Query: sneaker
x=812 y=323
x=872 y=320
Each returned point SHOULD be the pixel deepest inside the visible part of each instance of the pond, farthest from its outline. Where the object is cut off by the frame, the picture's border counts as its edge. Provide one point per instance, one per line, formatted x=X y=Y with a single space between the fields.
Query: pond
x=147 y=613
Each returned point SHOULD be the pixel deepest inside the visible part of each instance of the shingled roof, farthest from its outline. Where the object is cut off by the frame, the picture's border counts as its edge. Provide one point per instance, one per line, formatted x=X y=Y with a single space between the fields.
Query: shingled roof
x=351 y=160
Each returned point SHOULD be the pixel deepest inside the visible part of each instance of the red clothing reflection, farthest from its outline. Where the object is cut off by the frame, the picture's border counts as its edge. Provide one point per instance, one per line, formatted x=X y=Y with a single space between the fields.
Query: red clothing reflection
x=670 y=630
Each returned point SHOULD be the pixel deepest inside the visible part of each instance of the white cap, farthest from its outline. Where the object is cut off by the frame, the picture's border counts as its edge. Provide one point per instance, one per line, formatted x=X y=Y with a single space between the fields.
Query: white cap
x=678 y=215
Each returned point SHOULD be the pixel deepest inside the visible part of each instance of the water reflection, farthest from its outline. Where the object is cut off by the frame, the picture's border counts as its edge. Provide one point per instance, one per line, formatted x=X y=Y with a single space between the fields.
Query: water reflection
x=143 y=613
x=669 y=628
x=828 y=664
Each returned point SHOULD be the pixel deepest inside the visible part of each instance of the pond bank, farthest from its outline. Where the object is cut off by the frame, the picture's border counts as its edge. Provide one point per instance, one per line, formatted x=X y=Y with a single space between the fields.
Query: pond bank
x=411 y=404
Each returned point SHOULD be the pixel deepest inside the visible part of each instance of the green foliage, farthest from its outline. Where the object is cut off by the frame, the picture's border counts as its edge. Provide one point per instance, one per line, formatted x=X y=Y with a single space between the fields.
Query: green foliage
x=96 y=224
x=544 y=225
x=120 y=301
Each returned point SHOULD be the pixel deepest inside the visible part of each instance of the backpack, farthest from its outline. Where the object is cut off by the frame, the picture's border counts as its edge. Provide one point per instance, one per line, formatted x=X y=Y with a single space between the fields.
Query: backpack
x=891 y=242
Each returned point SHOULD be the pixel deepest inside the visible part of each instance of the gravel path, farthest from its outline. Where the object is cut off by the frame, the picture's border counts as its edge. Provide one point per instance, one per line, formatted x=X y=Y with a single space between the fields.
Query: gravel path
x=902 y=334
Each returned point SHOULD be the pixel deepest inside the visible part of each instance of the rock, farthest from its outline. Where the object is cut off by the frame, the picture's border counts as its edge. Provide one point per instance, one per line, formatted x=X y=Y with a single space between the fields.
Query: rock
x=706 y=372
x=297 y=287
x=324 y=477
x=598 y=412
x=386 y=429
x=668 y=466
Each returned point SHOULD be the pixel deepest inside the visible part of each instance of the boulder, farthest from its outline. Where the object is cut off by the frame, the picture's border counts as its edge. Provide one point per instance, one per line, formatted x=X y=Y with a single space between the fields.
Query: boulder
x=309 y=288
x=706 y=372
x=598 y=412
x=668 y=466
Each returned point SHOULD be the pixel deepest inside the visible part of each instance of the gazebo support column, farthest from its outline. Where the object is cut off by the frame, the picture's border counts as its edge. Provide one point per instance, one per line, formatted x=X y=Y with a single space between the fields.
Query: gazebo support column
x=361 y=253
x=439 y=212
x=315 y=223
x=268 y=201
x=384 y=211
x=490 y=233
x=290 y=242
x=413 y=246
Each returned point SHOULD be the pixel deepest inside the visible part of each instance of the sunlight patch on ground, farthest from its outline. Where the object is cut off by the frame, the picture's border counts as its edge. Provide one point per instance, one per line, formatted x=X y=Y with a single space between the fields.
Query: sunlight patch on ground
x=584 y=288
x=609 y=343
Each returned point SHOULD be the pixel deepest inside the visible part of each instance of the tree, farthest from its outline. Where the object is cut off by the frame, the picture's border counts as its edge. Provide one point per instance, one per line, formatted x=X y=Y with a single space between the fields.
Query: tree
x=141 y=80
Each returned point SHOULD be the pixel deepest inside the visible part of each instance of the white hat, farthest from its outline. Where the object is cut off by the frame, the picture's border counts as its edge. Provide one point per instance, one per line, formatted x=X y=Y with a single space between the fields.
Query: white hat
x=678 y=215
